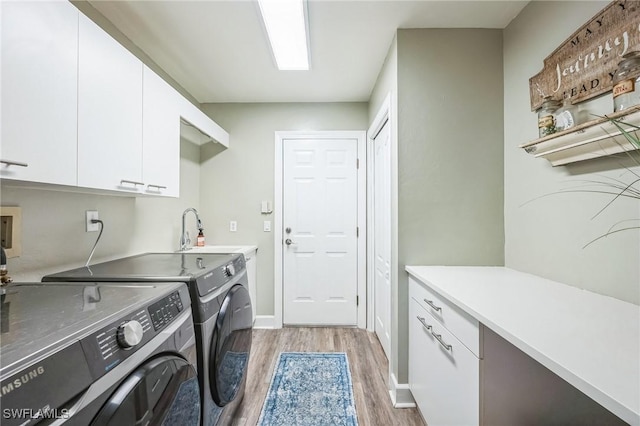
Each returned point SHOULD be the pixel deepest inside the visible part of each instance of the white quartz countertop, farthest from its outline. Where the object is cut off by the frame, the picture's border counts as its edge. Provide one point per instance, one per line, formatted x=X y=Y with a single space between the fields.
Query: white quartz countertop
x=590 y=340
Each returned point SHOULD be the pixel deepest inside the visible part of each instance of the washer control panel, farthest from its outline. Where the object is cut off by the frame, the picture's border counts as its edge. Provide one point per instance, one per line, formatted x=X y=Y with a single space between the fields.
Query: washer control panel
x=108 y=347
x=108 y=340
x=165 y=310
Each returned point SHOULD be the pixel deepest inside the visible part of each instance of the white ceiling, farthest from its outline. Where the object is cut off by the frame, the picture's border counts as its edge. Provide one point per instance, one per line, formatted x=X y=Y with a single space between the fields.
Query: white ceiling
x=218 y=51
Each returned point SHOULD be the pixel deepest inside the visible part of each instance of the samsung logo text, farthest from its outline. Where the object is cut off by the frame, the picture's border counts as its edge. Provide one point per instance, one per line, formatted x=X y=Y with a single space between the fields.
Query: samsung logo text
x=22 y=380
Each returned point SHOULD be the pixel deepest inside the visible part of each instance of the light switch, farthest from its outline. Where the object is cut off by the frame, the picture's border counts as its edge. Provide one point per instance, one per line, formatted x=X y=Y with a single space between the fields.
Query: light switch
x=267 y=226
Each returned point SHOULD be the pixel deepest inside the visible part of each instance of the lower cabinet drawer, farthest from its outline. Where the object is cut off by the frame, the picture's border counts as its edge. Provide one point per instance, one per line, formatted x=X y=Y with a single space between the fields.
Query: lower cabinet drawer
x=444 y=376
x=462 y=325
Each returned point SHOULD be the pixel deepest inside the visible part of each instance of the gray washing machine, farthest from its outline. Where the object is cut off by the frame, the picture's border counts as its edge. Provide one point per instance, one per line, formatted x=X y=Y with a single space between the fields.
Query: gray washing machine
x=98 y=354
x=222 y=316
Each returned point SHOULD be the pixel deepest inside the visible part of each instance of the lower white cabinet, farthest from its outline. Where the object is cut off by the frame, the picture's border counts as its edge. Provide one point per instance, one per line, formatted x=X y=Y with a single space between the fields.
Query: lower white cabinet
x=462 y=372
x=444 y=375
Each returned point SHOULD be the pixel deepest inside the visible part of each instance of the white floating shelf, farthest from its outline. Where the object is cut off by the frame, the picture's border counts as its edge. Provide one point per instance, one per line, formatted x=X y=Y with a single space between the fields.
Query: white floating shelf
x=593 y=139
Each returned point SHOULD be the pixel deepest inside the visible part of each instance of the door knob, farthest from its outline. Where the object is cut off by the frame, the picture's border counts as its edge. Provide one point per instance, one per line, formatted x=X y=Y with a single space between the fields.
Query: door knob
x=288 y=241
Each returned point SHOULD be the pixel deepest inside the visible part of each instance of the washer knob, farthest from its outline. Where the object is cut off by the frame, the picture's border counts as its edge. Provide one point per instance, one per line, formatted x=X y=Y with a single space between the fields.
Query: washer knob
x=230 y=270
x=129 y=334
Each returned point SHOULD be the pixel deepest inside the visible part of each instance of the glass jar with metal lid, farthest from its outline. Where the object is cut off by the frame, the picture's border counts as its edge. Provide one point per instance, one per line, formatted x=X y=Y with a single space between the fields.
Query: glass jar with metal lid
x=546 y=120
x=626 y=89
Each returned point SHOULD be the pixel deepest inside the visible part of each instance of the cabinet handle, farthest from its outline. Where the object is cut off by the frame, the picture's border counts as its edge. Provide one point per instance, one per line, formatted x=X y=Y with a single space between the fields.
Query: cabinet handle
x=158 y=187
x=132 y=182
x=424 y=323
x=430 y=303
x=439 y=339
x=14 y=163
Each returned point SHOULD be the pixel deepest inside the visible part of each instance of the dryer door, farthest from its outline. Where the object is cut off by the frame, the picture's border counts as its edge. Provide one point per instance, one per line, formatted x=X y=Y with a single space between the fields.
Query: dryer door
x=164 y=391
x=230 y=346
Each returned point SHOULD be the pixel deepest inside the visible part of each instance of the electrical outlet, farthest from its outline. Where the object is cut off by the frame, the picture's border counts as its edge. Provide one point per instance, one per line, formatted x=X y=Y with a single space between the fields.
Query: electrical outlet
x=233 y=226
x=90 y=215
x=267 y=226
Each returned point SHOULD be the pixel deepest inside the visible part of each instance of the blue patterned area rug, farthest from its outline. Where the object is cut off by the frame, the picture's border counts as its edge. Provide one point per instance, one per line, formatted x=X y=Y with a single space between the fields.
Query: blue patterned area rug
x=310 y=389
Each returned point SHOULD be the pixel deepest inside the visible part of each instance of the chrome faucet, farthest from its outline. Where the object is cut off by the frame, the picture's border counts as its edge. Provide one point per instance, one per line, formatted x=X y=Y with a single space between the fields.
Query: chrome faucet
x=184 y=237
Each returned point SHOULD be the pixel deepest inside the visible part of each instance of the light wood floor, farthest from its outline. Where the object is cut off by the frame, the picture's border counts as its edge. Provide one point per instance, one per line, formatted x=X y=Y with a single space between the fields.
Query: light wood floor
x=367 y=362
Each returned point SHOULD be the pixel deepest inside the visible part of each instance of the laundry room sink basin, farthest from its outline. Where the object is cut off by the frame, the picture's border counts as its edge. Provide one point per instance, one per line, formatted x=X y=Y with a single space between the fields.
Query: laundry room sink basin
x=222 y=249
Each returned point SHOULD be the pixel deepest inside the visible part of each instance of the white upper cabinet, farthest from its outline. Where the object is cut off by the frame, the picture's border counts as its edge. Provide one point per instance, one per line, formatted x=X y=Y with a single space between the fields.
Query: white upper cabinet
x=160 y=136
x=109 y=113
x=80 y=110
x=39 y=92
x=203 y=123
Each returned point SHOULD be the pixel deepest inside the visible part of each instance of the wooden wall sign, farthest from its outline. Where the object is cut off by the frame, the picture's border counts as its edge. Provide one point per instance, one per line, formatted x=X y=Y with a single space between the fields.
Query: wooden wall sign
x=584 y=65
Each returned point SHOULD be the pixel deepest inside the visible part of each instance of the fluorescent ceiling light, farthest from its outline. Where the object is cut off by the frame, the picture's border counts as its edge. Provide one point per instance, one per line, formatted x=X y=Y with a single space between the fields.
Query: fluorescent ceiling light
x=285 y=21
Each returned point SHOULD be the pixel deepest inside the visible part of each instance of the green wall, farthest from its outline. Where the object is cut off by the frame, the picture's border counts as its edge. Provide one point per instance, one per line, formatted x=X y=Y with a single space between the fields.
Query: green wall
x=234 y=182
x=449 y=162
x=545 y=236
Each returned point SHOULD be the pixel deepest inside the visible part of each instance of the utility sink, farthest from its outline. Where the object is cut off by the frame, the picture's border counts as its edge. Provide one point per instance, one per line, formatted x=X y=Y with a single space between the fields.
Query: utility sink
x=222 y=249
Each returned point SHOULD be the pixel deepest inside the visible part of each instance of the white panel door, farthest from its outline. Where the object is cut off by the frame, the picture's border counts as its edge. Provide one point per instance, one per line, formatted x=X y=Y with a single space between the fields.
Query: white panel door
x=109 y=112
x=319 y=222
x=39 y=91
x=382 y=236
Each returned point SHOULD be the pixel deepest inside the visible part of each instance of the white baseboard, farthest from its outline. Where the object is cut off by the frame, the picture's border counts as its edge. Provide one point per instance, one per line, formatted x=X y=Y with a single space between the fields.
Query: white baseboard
x=264 y=321
x=400 y=394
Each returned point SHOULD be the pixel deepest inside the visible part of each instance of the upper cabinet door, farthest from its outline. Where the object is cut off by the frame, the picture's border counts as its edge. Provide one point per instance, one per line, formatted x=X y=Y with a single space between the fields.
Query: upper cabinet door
x=39 y=91
x=160 y=136
x=109 y=113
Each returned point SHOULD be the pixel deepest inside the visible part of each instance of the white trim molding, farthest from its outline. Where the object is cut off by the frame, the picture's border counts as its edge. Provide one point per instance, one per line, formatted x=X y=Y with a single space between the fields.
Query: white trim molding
x=360 y=136
x=264 y=322
x=383 y=115
x=401 y=396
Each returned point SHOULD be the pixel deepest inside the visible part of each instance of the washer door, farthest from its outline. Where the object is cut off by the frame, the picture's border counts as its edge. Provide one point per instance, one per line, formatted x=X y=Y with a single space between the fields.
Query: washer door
x=230 y=346
x=164 y=391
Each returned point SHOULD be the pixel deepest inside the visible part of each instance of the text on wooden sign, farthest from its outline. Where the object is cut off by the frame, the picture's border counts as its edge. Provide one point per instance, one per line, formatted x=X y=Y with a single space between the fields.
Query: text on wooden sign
x=584 y=65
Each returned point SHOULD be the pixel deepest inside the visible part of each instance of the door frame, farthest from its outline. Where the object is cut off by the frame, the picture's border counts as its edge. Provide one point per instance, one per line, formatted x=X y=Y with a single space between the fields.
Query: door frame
x=278 y=247
x=382 y=117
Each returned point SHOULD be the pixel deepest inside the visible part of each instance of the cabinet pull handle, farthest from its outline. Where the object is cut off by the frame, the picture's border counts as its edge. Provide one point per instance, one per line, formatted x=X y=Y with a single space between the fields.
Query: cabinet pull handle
x=430 y=303
x=158 y=187
x=14 y=163
x=132 y=182
x=439 y=339
x=424 y=323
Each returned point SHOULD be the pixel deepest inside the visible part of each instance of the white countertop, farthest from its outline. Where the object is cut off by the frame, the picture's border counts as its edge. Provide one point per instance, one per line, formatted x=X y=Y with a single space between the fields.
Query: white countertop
x=590 y=340
x=246 y=250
